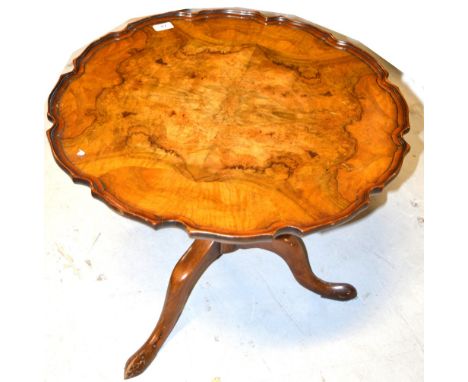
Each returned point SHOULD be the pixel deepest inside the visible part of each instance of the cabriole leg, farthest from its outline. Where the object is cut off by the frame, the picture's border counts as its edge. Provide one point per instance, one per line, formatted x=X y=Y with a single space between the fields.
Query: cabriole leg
x=292 y=250
x=184 y=277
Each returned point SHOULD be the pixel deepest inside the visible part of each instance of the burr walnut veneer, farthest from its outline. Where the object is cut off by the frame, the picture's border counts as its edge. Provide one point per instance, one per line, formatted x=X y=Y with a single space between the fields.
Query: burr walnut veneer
x=247 y=130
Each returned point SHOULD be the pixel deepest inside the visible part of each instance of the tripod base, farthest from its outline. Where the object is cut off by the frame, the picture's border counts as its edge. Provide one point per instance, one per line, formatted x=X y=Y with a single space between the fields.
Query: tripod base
x=197 y=259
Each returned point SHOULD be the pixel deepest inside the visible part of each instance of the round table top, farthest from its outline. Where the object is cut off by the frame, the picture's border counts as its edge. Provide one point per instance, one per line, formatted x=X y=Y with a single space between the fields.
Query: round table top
x=230 y=123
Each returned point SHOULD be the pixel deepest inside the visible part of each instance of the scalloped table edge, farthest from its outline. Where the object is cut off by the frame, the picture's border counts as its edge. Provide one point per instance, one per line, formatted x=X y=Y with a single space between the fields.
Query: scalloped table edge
x=98 y=190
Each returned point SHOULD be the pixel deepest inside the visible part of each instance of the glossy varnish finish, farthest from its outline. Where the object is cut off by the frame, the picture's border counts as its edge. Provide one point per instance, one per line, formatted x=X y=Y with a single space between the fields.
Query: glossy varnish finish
x=242 y=128
x=233 y=127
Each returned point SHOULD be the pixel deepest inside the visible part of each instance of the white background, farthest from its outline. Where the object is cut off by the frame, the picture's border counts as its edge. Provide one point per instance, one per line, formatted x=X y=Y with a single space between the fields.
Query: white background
x=37 y=40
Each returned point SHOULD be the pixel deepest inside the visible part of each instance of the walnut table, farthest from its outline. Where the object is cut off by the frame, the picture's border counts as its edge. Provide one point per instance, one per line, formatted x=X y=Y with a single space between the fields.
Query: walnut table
x=245 y=129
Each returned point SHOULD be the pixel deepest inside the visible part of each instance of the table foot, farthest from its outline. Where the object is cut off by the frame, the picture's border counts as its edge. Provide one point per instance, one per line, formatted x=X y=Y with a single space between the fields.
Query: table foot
x=293 y=251
x=184 y=277
x=197 y=259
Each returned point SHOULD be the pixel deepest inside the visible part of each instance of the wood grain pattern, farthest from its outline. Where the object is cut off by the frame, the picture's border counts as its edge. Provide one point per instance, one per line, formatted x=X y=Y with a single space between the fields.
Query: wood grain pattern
x=232 y=124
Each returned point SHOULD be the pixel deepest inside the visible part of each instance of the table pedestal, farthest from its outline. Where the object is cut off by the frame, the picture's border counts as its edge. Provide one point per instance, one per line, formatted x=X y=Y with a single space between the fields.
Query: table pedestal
x=197 y=259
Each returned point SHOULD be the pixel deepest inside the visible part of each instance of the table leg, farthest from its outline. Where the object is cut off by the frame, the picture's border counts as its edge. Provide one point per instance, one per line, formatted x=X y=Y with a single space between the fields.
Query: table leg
x=197 y=259
x=184 y=277
x=293 y=251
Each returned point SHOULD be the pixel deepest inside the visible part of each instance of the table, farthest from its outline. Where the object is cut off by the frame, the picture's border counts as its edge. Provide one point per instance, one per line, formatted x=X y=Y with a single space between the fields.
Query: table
x=247 y=130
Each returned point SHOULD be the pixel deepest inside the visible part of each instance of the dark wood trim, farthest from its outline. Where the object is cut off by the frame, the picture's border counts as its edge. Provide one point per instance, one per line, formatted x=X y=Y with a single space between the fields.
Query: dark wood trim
x=99 y=191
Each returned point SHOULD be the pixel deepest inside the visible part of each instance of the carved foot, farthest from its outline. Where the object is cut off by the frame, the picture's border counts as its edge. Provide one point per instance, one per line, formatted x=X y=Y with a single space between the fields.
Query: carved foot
x=197 y=259
x=184 y=277
x=292 y=250
x=138 y=363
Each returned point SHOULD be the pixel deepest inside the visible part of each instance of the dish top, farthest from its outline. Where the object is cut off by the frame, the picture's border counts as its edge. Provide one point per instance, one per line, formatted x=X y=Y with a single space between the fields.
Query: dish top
x=230 y=123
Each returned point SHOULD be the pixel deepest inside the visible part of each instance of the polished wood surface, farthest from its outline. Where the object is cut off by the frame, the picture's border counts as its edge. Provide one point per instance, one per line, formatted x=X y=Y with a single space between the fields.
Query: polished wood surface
x=243 y=128
x=197 y=259
x=234 y=127
x=184 y=277
x=293 y=251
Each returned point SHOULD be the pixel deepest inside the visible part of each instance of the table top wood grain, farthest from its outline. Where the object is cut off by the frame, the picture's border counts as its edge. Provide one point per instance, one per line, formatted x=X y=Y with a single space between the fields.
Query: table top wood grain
x=230 y=123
